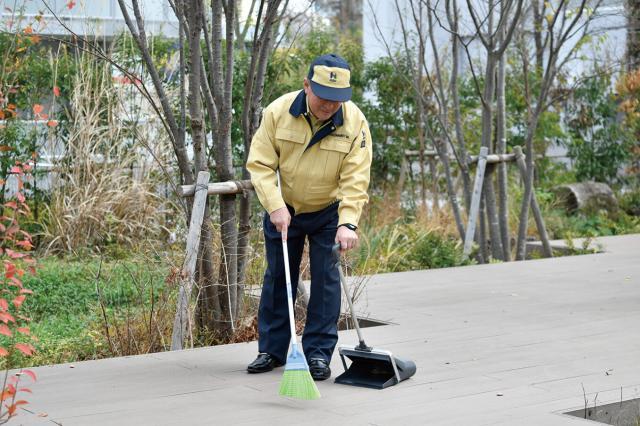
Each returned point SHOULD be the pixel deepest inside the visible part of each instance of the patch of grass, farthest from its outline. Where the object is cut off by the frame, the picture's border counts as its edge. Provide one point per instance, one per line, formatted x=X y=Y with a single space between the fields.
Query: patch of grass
x=75 y=302
x=401 y=246
x=559 y=225
x=436 y=251
x=65 y=288
x=66 y=339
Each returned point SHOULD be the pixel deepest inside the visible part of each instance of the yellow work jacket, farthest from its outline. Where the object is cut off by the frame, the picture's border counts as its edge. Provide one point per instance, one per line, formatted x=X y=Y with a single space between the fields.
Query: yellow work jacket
x=316 y=169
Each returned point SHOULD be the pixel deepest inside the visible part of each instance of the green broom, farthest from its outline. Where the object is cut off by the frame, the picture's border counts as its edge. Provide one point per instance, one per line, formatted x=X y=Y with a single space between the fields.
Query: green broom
x=296 y=380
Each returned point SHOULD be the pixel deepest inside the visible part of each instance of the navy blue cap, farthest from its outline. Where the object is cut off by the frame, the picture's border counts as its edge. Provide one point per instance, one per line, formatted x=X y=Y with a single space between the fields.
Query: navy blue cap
x=329 y=77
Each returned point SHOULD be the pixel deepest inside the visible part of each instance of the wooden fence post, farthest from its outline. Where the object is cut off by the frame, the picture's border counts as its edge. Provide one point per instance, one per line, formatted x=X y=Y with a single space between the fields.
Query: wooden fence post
x=475 y=201
x=188 y=268
x=535 y=208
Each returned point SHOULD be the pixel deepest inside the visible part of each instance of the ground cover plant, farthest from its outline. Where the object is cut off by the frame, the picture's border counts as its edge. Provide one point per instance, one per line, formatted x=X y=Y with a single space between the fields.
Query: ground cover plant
x=16 y=336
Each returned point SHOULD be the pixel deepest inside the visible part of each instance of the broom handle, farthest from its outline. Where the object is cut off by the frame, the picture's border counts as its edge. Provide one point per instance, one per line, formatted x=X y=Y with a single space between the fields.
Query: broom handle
x=343 y=281
x=287 y=274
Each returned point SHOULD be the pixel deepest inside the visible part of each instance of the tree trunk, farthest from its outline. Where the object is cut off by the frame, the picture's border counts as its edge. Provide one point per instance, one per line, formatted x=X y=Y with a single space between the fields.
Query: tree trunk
x=492 y=215
x=501 y=148
x=481 y=233
x=433 y=170
x=452 y=16
x=528 y=186
x=421 y=123
x=451 y=191
x=537 y=214
x=538 y=22
x=633 y=34
x=487 y=135
x=194 y=19
x=228 y=272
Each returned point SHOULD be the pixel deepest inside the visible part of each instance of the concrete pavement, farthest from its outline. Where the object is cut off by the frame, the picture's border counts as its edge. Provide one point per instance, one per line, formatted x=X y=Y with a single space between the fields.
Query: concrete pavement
x=498 y=344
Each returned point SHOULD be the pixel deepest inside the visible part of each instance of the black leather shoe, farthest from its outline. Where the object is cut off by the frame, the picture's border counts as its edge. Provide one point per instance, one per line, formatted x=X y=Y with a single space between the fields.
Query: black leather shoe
x=263 y=363
x=319 y=369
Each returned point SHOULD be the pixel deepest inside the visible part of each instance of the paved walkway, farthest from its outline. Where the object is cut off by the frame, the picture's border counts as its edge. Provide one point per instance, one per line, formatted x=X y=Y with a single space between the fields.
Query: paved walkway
x=498 y=344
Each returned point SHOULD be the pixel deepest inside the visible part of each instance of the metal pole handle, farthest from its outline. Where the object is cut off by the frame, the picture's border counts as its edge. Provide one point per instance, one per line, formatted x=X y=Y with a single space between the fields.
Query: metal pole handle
x=335 y=250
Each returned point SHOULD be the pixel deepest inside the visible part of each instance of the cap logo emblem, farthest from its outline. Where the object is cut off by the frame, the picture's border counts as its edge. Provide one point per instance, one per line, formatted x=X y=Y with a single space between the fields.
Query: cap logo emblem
x=333 y=77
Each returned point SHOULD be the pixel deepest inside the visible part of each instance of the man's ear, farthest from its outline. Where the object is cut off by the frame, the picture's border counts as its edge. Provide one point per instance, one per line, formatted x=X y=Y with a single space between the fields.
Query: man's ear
x=305 y=84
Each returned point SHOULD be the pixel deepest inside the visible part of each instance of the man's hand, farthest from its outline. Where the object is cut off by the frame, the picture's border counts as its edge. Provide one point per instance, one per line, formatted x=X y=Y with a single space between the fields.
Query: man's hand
x=281 y=220
x=347 y=238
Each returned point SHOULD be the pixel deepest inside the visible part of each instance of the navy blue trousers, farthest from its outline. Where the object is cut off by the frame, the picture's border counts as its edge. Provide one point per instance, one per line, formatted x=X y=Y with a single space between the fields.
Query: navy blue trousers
x=320 y=332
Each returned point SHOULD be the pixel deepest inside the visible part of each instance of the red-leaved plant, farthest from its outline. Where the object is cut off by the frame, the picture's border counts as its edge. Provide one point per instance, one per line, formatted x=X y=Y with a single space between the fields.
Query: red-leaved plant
x=15 y=336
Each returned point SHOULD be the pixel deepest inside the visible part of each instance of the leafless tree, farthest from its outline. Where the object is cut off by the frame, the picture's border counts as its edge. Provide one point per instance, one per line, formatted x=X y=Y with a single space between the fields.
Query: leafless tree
x=430 y=89
x=494 y=28
x=562 y=28
x=210 y=102
x=550 y=27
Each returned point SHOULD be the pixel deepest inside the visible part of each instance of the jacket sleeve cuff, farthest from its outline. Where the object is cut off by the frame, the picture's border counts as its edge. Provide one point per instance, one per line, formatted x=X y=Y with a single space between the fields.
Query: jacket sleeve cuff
x=273 y=204
x=347 y=215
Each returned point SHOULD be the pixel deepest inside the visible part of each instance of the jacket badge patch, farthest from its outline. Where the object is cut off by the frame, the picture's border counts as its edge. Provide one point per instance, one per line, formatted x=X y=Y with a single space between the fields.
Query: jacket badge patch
x=364 y=140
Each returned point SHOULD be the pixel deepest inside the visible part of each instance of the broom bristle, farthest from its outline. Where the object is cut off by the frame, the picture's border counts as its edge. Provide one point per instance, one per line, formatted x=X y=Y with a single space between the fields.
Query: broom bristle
x=298 y=384
x=296 y=380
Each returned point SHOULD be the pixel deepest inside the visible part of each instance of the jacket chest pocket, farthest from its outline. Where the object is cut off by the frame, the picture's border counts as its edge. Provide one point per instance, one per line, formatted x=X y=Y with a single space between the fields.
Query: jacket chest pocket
x=291 y=143
x=332 y=153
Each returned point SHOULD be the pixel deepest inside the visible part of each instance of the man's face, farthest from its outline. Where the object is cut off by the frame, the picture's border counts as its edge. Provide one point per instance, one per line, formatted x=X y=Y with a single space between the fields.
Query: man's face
x=321 y=108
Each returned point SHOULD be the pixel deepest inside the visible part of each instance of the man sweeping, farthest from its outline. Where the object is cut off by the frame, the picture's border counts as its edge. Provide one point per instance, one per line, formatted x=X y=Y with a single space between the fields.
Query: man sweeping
x=319 y=141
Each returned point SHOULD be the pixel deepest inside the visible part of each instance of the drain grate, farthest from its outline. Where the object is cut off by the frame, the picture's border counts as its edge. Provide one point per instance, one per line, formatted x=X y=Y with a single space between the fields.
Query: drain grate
x=345 y=323
x=623 y=413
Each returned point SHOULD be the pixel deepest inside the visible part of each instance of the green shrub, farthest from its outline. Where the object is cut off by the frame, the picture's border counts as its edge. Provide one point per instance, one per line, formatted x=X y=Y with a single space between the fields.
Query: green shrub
x=437 y=251
x=599 y=143
x=559 y=225
x=404 y=247
x=630 y=202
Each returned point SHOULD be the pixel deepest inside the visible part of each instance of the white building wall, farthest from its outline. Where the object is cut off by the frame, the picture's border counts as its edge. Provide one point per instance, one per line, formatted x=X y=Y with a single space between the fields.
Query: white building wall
x=382 y=30
x=100 y=18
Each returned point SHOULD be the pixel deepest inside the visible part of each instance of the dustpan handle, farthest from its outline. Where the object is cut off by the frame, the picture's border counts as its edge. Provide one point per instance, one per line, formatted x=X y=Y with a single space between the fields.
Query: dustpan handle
x=336 y=255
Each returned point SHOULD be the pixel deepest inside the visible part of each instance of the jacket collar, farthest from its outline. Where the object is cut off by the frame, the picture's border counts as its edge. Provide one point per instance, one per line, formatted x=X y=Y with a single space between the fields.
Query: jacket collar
x=299 y=107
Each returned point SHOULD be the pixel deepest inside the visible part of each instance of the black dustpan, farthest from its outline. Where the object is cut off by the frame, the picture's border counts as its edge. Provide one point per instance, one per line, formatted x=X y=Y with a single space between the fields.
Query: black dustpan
x=368 y=367
x=377 y=369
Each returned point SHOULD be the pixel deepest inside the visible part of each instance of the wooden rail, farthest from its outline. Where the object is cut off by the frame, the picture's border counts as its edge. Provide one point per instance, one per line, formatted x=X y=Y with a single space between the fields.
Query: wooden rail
x=471 y=159
x=219 y=188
